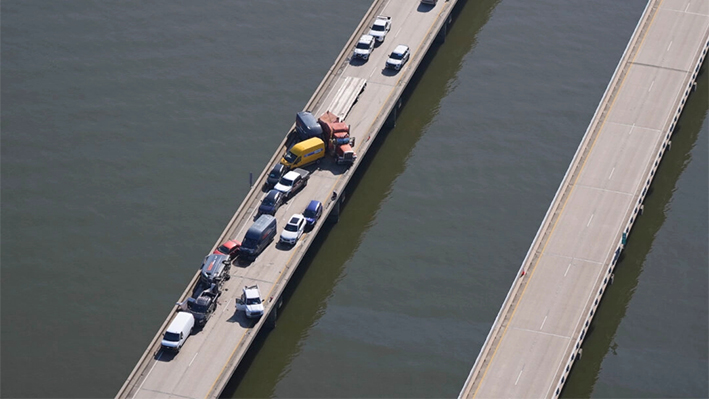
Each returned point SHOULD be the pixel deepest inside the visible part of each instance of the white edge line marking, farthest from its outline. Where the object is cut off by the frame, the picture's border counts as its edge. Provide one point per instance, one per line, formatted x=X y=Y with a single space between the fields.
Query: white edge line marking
x=148 y=375
x=191 y=361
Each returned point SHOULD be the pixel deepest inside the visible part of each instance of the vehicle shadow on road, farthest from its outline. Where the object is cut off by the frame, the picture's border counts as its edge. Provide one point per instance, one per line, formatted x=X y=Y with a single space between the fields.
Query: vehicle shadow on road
x=283 y=246
x=243 y=262
x=239 y=317
x=356 y=61
x=163 y=355
x=389 y=72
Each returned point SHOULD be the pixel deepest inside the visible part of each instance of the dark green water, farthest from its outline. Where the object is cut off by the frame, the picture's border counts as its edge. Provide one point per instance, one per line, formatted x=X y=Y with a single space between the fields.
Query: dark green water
x=129 y=130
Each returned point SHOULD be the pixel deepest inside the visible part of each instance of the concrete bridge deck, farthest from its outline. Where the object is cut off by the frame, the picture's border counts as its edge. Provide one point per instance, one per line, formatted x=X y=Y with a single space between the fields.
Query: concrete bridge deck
x=210 y=356
x=540 y=328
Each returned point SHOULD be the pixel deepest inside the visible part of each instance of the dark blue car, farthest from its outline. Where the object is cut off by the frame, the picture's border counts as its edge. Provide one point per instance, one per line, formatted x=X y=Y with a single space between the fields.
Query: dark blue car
x=271 y=202
x=312 y=213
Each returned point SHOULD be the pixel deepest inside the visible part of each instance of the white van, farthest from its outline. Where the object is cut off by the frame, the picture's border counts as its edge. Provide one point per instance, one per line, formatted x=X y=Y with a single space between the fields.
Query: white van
x=178 y=331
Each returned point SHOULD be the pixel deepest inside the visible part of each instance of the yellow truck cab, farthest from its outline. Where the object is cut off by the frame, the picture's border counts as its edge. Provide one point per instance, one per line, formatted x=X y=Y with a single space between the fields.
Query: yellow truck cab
x=304 y=153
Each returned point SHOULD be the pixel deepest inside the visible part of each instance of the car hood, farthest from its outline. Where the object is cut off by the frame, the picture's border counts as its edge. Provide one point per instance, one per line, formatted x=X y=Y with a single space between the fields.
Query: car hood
x=392 y=61
x=282 y=188
x=266 y=208
x=362 y=51
x=376 y=33
x=255 y=308
x=169 y=344
x=289 y=235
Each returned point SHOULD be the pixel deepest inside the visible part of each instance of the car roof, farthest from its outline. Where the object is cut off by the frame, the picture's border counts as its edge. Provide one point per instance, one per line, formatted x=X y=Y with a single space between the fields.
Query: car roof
x=401 y=49
x=210 y=261
x=231 y=243
x=313 y=205
x=297 y=218
x=251 y=292
x=180 y=320
x=291 y=175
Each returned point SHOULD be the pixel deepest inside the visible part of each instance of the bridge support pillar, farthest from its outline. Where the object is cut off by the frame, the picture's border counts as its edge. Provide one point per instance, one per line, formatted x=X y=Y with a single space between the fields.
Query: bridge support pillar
x=334 y=215
x=273 y=315
x=271 y=319
x=441 y=36
x=391 y=119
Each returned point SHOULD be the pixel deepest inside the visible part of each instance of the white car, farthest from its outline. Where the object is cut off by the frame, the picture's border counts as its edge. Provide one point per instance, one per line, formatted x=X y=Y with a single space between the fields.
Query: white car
x=250 y=302
x=380 y=27
x=398 y=57
x=364 y=47
x=293 y=230
x=292 y=182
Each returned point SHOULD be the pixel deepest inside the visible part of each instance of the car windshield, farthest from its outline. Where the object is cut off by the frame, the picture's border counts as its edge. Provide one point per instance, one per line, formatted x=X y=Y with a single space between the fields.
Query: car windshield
x=363 y=45
x=170 y=336
x=309 y=213
x=291 y=227
x=253 y=301
x=195 y=307
x=249 y=243
x=397 y=56
x=286 y=182
x=223 y=249
x=273 y=175
x=378 y=27
x=269 y=200
x=290 y=157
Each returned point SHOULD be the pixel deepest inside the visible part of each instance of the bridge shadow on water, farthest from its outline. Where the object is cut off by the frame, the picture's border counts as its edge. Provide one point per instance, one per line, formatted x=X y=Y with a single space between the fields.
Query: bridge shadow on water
x=304 y=299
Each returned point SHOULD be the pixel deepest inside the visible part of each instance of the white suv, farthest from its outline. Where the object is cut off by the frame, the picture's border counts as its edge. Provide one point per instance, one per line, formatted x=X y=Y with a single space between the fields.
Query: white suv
x=398 y=57
x=364 y=47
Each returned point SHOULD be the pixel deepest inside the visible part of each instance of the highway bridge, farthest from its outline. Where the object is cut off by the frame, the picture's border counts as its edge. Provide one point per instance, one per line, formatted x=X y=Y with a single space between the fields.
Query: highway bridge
x=539 y=331
x=209 y=357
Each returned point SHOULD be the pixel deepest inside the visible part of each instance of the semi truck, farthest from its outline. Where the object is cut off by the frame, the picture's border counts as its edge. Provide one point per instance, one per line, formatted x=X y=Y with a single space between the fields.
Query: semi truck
x=336 y=135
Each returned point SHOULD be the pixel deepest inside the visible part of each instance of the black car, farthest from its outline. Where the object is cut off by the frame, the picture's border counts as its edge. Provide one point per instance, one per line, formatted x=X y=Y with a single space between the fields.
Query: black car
x=271 y=202
x=203 y=306
x=276 y=173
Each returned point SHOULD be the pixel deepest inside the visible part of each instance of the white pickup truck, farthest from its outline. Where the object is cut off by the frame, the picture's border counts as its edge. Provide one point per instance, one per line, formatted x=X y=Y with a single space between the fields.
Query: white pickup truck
x=250 y=302
x=380 y=27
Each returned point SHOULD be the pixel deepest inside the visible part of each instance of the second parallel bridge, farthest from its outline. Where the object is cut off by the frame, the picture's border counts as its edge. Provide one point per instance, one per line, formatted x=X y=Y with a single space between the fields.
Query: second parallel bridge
x=538 y=333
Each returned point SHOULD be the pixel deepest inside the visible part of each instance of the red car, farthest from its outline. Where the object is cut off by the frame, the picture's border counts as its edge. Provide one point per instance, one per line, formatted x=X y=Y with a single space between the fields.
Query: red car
x=230 y=248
